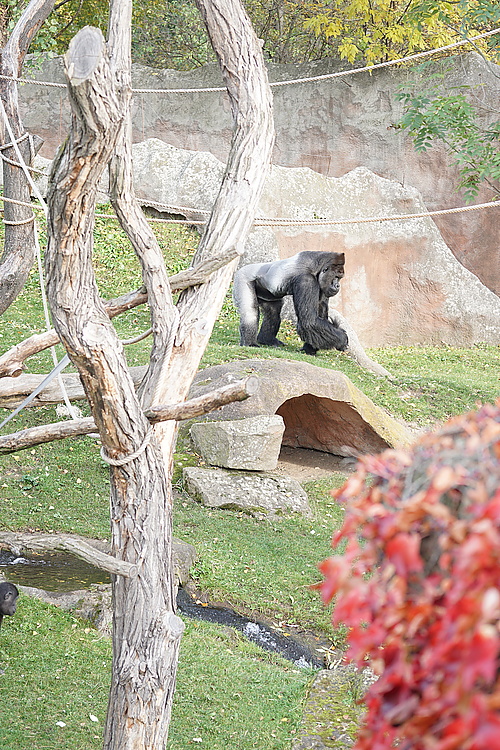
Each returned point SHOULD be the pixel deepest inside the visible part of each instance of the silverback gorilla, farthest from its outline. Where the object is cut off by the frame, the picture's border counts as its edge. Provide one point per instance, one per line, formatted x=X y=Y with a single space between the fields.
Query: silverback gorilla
x=311 y=277
x=8 y=599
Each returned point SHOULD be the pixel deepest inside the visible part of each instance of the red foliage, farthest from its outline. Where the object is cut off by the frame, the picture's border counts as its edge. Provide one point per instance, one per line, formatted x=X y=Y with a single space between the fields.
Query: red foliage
x=419 y=587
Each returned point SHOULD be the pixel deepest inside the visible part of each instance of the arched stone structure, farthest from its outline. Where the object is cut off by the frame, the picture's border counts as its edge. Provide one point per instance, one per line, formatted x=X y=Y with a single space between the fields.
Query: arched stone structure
x=322 y=409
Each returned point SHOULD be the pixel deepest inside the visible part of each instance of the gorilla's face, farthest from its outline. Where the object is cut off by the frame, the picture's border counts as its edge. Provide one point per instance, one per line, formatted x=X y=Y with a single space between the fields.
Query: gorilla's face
x=329 y=277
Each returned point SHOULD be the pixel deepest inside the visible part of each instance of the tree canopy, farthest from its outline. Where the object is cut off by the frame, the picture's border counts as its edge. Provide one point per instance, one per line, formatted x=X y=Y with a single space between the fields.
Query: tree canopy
x=169 y=33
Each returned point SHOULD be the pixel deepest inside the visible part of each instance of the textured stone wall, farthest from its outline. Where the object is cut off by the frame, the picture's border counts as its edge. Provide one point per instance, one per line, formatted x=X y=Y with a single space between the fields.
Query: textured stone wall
x=331 y=126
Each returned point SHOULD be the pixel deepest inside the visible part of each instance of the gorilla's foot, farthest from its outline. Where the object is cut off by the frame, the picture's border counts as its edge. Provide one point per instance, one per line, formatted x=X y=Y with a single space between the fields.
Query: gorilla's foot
x=273 y=342
x=308 y=349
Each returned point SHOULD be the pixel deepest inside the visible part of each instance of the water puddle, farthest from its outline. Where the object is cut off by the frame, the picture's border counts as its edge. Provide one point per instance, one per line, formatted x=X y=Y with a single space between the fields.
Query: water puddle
x=51 y=572
x=263 y=635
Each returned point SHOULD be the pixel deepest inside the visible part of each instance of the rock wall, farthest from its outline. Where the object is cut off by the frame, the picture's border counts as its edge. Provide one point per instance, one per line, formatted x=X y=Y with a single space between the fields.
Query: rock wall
x=331 y=126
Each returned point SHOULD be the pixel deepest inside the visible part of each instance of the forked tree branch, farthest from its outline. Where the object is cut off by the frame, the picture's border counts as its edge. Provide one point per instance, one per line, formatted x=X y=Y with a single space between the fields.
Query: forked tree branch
x=12 y=362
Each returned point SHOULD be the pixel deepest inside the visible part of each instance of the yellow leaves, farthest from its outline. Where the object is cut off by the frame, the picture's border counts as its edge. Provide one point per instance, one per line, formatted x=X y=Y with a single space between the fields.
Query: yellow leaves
x=325 y=25
x=375 y=30
x=348 y=50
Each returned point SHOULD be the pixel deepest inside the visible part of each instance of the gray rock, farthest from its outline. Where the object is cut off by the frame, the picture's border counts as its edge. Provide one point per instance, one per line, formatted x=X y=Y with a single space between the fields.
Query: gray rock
x=321 y=408
x=253 y=443
x=403 y=285
x=255 y=494
x=331 y=125
x=427 y=296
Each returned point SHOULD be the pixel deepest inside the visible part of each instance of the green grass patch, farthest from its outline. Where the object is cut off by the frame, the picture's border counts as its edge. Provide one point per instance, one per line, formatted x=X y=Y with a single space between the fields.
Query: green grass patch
x=55 y=684
x=230 y=693
x=263 y=566
x=56 y=670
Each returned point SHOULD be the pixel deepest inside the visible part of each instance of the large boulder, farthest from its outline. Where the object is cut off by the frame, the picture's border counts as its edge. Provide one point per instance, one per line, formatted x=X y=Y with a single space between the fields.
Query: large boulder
x=253 y=493
x=322 y=409
x=331 y=125
x=253 y=443
x=402 y=285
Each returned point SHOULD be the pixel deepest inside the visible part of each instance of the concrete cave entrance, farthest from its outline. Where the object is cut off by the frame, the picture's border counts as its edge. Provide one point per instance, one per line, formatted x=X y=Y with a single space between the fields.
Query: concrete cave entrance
x=323 y=436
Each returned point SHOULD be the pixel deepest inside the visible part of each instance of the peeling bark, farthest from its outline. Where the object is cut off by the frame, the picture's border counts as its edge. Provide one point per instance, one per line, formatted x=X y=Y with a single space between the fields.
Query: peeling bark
x=146 y=631
x=141 y=533
x=19 y=246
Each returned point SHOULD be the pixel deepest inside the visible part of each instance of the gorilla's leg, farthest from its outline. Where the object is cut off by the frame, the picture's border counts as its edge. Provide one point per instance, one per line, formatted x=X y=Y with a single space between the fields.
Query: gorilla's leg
x=245 y=299
x=271 y=322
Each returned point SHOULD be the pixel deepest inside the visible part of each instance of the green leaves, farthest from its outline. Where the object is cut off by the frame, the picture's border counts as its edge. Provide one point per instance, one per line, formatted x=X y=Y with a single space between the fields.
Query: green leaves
x=453 y=120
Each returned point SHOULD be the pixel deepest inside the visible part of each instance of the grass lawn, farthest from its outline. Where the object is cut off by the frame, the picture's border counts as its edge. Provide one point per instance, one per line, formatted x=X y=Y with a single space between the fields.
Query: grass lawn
x=230 y=693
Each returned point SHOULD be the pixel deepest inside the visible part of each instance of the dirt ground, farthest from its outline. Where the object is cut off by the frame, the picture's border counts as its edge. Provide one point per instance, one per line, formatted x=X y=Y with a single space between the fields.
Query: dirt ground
x=307 y=465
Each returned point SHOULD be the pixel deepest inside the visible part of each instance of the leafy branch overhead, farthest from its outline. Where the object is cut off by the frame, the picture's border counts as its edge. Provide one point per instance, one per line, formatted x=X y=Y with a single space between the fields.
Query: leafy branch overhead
x=453 y=120
x=172 y=35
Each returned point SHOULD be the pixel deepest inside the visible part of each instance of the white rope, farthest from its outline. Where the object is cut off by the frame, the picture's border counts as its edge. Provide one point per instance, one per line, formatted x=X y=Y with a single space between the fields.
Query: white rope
x=371 y=219
x=131 y=456
x=136 y=339
x=175 y=209
x=16 y=164
x=338 y=74
x=284 y=222
x=20 y=203
x=19 y=223
x=14 y=144
x=38 y=195
x=19 y=140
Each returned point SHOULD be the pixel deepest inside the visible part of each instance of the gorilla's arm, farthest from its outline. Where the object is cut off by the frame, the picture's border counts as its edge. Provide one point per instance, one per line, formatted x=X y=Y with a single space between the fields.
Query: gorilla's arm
x=316 y=332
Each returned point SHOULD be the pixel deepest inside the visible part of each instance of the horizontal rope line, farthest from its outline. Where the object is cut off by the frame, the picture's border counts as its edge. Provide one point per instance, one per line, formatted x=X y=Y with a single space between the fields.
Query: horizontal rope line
x=269 y=222
x=338 y=74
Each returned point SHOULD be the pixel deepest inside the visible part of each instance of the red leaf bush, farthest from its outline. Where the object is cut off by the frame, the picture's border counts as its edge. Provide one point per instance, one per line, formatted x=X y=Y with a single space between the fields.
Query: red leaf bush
x=419 y=587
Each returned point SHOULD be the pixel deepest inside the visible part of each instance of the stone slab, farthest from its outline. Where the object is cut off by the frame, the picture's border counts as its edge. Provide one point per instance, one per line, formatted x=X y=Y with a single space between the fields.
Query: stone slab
x=256 y=494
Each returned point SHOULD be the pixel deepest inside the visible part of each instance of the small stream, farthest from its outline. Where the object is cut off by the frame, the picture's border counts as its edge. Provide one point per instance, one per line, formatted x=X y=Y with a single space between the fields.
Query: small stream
x=56 y=572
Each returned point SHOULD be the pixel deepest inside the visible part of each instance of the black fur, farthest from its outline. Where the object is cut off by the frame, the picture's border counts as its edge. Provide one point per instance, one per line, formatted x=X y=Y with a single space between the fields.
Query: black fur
x=311 y=277
x=8 y=599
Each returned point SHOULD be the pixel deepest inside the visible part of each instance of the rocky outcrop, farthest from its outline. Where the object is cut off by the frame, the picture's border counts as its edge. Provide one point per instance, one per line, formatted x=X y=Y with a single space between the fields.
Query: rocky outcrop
x=253 y=443
x=402 y=286
x=322 y=409
x=257 y=494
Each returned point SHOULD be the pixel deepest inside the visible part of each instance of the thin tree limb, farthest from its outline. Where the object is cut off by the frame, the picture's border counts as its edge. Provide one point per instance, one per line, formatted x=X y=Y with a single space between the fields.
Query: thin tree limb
x=12 y=362
x=19 y=245
x=195 y=407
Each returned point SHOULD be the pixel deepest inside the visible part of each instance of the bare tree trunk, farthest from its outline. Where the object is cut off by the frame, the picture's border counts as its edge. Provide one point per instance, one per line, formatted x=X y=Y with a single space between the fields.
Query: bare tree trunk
x=146 y=632
x=240 y=58
x=19 y=245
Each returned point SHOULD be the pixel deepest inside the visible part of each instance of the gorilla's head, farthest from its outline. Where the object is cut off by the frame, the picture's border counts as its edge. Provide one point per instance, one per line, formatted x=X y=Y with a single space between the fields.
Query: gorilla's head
x=331 y=273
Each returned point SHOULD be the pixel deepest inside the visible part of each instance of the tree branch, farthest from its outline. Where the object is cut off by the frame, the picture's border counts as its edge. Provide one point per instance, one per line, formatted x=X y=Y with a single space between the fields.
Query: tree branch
x=19 y=245
x=195 y=407
x=12 y=362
